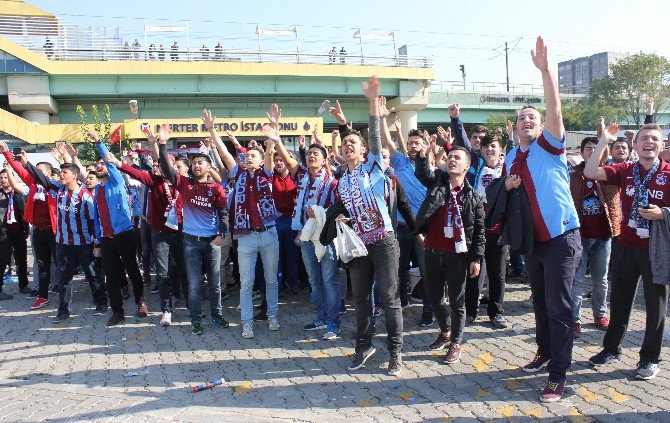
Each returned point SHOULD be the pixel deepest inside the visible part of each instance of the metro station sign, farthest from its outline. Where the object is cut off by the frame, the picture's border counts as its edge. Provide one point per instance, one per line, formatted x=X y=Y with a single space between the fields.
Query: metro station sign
x=240 y=127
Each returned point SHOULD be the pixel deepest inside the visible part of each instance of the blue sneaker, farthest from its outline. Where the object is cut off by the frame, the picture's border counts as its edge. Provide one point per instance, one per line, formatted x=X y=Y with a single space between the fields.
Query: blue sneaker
x=603 y=358
x=331 y=332
x=315 y=325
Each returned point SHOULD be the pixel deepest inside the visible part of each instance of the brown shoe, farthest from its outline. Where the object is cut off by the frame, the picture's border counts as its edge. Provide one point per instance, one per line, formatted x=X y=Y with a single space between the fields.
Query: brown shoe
x=453 y=354
x=117 y=317
x=142 y=310
x=443 y=339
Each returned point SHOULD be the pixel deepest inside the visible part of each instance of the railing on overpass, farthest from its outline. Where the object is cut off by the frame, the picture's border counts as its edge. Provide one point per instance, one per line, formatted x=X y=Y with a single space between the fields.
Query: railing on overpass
x=486 y=86
x=196 y=55
x=64 y=41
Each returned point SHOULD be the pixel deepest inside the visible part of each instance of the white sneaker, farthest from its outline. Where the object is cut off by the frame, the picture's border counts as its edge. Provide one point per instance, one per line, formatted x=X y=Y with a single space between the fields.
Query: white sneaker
x=247 y=330
x=273 y=324
x=166 y=320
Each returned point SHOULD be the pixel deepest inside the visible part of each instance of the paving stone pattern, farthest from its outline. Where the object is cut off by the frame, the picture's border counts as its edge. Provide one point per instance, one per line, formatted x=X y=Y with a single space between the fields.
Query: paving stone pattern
x=75 y=372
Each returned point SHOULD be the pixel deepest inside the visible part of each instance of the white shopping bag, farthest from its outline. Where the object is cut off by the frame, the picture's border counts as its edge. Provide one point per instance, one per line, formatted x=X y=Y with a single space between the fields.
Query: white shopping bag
x=347 y=244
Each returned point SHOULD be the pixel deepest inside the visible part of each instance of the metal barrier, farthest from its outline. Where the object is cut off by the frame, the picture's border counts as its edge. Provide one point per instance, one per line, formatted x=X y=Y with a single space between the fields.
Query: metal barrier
x=486 y=86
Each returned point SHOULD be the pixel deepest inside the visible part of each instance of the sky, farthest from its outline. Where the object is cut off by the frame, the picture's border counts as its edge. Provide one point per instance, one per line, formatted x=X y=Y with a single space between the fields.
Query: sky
x=471 y=33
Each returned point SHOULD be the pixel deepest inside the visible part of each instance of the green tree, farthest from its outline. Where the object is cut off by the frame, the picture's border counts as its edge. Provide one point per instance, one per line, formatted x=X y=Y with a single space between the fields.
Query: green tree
x=631 y=81
x=584 y=114
x=499 y=120
x=86 y=151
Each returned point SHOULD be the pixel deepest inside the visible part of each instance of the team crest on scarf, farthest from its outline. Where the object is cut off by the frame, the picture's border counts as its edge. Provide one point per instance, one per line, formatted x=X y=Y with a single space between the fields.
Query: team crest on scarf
x=661 y=179
x=265 y=202
x=359 y=200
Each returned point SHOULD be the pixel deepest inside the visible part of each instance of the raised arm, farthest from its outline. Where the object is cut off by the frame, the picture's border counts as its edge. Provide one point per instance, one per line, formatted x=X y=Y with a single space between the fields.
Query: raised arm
x=72 y=152
x=649 y=108
x=12 y=181
x=371 y=92
x=208 y=120
x=385 y=132
x=291 y=164
x=402 y=144
x=423 y=172
x=335 y=148
x=592 y=169
x=166 y=168
x=457 y=128
x=302 y=151
x=113 y=173
x=18 y=167
x=553 y=122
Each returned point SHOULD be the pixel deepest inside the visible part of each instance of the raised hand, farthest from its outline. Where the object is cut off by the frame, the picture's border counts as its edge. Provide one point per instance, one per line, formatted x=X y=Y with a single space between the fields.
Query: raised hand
x=110 y=158
x=371 y=88
x=337 y=113
x=398 y=125
x=301 y=141
x=510 y=130
x=164 y=133
x=232 y=138
x=383 y=111
x=92 y=134
x=3 y=147
x=56 y=155
x=69 y=149
x=607 y=134
x=629 y=135
x=271 y=133
x=539 y=55
x=150 y=136
x=208 y=119
x=207 y=142
x=454 y=110
x=274 y=116
x=649 y=106
x=499 y=132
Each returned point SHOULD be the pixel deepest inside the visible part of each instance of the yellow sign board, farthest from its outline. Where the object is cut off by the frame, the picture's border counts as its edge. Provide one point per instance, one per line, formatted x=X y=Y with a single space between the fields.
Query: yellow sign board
x=240 y=127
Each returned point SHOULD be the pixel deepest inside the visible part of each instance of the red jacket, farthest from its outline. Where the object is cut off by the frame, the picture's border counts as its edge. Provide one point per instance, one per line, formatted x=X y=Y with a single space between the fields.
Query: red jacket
x=29 y=214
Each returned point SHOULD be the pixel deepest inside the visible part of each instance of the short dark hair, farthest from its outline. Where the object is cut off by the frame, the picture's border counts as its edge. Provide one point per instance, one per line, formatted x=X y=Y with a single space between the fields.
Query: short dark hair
x=47 y=164
x=528 y=106
x=256 y=148
x=488 y=139
x=3 y=171
x=182 y=159
x=354 y=132
x=461 y=148
x=414 y=133
x=479 y=128
x=321 y=148
x=587 y=140
x=55 y=171
x=202 y=155
x=71 y=167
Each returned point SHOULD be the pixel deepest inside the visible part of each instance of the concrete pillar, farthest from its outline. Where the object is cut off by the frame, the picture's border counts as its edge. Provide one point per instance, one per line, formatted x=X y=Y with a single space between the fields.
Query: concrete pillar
x=36 y=116
x=408 y=120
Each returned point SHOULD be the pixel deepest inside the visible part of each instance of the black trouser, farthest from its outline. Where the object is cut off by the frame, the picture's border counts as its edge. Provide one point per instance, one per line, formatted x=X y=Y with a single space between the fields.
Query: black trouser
x=380 y=265
x=495 y=256
x=551 y=270
x=629 y=265
x=118 y=253
x=166 y=245
x=409 y=242
x=15 y=244
x=44 y=246
x=447 y=270
x=68 y=257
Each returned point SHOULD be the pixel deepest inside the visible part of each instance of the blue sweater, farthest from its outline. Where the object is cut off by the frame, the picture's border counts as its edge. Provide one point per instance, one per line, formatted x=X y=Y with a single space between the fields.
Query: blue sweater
x=477 y=162
x=116 y=195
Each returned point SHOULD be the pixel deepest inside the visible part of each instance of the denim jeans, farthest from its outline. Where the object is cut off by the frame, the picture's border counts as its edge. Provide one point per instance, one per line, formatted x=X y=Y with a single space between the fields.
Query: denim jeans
x=596 y=253
x=325 y=281
x=288 y=252
x=248 y=247
x=199 y=251
x=166 y=245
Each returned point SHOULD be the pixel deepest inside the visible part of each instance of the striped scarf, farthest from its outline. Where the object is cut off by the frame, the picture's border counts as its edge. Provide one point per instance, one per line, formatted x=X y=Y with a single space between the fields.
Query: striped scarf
x=359 y=199
x=11 y=218
x=453 y=225
x=264 y=200
x=309 y=194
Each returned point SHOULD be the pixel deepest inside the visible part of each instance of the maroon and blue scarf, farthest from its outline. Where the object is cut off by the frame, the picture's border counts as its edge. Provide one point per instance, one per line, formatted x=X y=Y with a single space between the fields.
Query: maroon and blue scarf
x=242 y=201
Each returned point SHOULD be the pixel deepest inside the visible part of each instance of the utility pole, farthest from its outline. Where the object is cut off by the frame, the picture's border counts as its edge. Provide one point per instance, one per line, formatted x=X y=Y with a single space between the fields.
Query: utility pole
x=507 y=65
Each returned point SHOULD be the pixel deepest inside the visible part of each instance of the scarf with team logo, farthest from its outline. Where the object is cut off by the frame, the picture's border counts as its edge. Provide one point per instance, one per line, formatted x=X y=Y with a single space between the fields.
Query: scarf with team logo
x=242 y=200
x=641 y=200
x=359 y=199
x=309 y=194
x=40 y=194
x=11 y=218
x=453 y=225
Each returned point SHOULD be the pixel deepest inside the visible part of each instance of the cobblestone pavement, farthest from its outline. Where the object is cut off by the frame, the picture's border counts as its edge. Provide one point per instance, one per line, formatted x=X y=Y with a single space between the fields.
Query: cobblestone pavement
x=75 y=371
